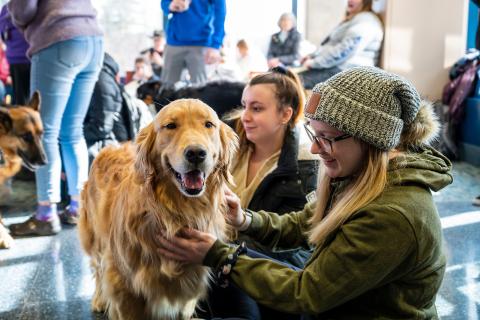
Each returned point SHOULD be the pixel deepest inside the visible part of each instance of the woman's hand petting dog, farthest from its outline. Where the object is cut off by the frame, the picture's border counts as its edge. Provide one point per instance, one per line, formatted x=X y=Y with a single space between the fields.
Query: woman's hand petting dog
x=235 y=216
x=189 y=246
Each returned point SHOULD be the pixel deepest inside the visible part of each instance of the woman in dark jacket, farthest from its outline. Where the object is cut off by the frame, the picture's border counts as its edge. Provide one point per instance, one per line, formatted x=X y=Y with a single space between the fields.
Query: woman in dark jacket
x=285 y=189
x=284 y=48
x=104 y=111
x=272 y=171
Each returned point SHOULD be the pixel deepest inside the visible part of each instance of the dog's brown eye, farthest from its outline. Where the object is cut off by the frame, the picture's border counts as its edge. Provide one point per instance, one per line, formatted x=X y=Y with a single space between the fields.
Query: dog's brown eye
x=209 y=124
x=27 y=137
x=171 y=126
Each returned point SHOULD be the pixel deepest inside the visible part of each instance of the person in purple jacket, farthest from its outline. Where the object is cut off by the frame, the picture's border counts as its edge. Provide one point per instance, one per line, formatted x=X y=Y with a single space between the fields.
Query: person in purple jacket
x=66 y=50
x=17 y=58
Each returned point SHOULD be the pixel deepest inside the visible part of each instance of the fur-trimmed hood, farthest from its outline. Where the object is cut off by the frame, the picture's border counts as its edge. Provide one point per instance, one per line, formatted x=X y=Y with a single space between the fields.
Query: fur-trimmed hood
x=423 y=130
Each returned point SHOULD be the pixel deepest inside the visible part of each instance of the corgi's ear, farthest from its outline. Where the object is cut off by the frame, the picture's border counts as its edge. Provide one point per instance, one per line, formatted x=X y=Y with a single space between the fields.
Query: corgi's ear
x=6 y=122
x=35 y=101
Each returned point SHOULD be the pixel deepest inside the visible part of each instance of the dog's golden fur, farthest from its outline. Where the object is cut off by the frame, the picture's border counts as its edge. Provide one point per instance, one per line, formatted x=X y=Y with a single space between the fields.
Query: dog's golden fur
x=137 y=192
x=20 y=142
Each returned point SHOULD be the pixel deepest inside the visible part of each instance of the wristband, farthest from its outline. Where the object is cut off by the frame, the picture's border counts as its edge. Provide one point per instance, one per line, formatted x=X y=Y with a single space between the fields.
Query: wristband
x=243 y=226
x=226 y=268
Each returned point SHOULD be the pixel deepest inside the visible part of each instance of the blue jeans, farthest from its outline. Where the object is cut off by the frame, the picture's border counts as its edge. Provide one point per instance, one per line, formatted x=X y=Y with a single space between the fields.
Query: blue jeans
x=65 y=74
x=232 y=303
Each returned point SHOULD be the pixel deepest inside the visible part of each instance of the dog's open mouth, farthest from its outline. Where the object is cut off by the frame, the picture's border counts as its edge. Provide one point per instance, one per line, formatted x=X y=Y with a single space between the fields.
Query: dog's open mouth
x=26 y=162
x=192 y=182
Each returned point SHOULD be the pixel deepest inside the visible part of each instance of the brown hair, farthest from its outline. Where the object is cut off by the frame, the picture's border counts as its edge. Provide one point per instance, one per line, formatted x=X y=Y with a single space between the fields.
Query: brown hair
x=141 y=60
x=242 y=44
x=288 y=90
x=288 y=93
x=366 y=7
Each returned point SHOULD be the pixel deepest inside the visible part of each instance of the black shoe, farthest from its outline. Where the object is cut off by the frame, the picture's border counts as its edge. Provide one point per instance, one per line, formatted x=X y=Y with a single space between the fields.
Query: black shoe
x=69 y=216
x=34 y=227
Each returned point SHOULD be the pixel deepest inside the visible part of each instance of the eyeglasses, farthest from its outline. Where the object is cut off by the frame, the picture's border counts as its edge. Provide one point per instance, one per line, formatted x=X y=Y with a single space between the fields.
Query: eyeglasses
x=324 y=142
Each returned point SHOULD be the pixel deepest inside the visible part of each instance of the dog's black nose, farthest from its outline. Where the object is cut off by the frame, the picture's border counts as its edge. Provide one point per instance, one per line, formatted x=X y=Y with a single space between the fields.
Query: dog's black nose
x=195 y=155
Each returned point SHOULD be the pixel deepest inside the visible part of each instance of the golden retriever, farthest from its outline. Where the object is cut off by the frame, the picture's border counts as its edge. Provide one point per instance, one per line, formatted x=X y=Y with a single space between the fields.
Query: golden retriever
x=174 y=176
x=21 y=133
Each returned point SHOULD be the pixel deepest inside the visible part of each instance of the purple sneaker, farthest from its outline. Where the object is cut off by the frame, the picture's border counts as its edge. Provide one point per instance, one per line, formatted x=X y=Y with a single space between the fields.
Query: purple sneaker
x=69 y=216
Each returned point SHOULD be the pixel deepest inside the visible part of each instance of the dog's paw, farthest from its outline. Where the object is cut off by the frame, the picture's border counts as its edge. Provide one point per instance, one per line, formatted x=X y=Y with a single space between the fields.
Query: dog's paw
x=6 y=241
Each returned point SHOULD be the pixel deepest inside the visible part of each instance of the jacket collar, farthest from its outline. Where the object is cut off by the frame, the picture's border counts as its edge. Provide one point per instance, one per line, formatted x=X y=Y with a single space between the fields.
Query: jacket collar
x=292 y=31
x=289 y=153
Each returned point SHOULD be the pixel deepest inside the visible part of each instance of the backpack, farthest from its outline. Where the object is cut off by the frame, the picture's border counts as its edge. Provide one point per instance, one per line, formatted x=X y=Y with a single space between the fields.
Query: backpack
x=135 y=115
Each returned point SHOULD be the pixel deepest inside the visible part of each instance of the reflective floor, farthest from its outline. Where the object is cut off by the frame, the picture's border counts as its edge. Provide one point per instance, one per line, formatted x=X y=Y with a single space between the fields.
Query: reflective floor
x=459 y=297
x=49 y=277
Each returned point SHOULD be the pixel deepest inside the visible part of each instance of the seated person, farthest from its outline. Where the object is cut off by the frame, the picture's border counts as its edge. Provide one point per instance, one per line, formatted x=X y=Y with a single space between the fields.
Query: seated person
x=104 y=110
x=113 y=116
x=154 y=55
x=356 y=41
x=226 y=69
x=285 y=45
x=143 y=73
x=272 y=170
x=249 y=60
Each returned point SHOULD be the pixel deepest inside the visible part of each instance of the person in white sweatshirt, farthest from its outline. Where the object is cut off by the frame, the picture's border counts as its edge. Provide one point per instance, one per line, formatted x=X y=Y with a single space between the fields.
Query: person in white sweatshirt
x=250 y=60
x=356 y=41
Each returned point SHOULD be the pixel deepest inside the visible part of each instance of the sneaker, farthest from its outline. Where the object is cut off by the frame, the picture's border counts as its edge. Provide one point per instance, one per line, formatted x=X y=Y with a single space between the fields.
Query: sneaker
x=69 y=216
x=34 y=227
x=476 y=201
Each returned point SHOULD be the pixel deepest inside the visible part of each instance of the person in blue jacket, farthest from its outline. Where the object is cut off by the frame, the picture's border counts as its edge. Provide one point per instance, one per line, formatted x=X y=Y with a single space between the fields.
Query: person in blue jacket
x=195 y=31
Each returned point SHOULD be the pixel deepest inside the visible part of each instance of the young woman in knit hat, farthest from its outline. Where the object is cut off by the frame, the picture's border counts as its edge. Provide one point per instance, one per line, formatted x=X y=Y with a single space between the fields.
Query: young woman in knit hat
x=375 y=230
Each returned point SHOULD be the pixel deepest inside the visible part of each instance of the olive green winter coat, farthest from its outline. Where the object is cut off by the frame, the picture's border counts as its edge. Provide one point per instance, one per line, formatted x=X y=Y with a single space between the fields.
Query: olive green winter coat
x=385 y=262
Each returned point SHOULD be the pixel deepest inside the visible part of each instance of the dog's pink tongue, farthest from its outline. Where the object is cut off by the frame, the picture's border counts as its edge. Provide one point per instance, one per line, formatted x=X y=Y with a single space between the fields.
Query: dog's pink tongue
x=193 y=180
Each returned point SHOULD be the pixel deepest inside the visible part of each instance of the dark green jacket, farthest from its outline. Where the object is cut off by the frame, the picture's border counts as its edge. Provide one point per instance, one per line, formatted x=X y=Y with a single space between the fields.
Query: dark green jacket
x=385 y=262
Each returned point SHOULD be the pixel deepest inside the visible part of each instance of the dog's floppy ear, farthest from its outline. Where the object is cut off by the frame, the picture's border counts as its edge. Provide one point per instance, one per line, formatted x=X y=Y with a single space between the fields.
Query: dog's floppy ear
x=35 y=101
x=145 y=171
x=229 y=140
x=6 y=122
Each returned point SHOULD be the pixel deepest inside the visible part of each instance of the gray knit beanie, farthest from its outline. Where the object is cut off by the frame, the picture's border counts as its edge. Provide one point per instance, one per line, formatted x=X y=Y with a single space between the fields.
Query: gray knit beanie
x=366 y=102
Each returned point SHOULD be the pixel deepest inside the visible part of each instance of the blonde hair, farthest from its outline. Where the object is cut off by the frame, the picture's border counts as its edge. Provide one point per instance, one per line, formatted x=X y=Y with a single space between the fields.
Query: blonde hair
x=366 y=186
x=288 y=93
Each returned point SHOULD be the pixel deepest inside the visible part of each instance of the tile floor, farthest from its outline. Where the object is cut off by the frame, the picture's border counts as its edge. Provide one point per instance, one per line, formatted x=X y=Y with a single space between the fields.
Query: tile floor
x=49 y=277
